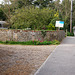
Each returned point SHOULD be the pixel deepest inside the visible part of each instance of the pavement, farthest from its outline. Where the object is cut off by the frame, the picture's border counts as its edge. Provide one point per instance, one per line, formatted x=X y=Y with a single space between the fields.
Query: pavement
x=61 y=61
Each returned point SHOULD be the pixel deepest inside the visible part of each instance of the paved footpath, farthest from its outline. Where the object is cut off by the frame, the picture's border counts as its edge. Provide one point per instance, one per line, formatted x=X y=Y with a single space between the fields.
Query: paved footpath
x=61 y=61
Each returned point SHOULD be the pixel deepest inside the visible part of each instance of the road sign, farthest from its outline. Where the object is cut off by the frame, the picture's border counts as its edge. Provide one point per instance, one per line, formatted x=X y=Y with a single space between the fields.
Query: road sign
x=59 y=24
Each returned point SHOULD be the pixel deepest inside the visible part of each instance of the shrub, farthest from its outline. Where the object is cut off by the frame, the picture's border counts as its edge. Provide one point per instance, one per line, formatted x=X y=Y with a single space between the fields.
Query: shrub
x=44 y=43
x=51 y=27
x=70 y=34
x=55 y=42
x=31 y=17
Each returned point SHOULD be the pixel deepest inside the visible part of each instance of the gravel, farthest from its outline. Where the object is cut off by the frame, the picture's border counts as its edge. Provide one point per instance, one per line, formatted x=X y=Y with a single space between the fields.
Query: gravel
x=23 y=60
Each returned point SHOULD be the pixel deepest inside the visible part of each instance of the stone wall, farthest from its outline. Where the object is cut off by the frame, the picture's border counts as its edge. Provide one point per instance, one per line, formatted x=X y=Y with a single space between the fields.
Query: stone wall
x=26 y=35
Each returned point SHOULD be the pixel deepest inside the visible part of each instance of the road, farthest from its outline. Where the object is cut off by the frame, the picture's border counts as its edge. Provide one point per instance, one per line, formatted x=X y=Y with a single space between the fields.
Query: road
x=61 y=61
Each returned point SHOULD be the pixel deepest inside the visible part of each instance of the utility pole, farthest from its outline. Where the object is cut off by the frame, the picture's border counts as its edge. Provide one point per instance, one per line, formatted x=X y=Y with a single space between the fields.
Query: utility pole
x=71 y=17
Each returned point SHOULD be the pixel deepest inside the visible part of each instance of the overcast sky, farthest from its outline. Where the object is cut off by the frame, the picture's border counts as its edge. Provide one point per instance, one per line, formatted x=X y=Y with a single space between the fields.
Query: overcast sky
x=1 y=1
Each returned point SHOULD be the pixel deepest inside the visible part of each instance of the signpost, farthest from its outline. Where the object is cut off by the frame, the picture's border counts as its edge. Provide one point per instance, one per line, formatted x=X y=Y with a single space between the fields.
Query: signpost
x=59 y=24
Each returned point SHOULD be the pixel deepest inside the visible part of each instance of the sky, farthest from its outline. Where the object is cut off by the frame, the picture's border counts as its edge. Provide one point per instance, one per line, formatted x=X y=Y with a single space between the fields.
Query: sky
x=1 y=1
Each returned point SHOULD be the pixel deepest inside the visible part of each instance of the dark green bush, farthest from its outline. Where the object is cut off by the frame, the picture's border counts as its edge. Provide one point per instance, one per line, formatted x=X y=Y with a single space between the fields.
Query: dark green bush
x=70 y=34
x=1 y=42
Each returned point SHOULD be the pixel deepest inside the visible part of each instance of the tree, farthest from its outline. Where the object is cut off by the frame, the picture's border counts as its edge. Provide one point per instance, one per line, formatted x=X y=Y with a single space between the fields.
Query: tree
x=23 y=13
x=21 y=3
x=31 y=17
x=5 y=7
x=2 y=15
x=64 y=9
x=74 y=13
x=42 y=3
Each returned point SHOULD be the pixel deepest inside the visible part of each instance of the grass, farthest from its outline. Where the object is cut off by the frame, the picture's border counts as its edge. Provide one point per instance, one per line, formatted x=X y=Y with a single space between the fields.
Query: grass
x=55 y=42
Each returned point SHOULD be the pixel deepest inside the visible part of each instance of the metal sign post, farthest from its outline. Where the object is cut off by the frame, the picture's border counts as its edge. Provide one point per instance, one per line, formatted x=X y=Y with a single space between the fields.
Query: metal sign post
x=59 y=24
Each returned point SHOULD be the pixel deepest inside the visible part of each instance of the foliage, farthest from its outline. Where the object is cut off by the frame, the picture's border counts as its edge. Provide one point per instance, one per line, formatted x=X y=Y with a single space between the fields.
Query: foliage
x=44 y=43
x=42 y=3
x=31 y=17
x=51 y=27
x=2 y=15
x=55 y=42
x=74 y=13
x=25 y=14
x=65 y=8
x=70 y=34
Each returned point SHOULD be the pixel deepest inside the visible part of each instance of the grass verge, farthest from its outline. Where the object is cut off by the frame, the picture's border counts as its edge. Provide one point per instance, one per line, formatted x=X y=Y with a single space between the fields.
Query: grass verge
x=55 y=42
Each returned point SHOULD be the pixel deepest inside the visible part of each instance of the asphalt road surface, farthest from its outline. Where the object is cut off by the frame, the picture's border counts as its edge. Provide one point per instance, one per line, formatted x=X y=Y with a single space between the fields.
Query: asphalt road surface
x=61 y=61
